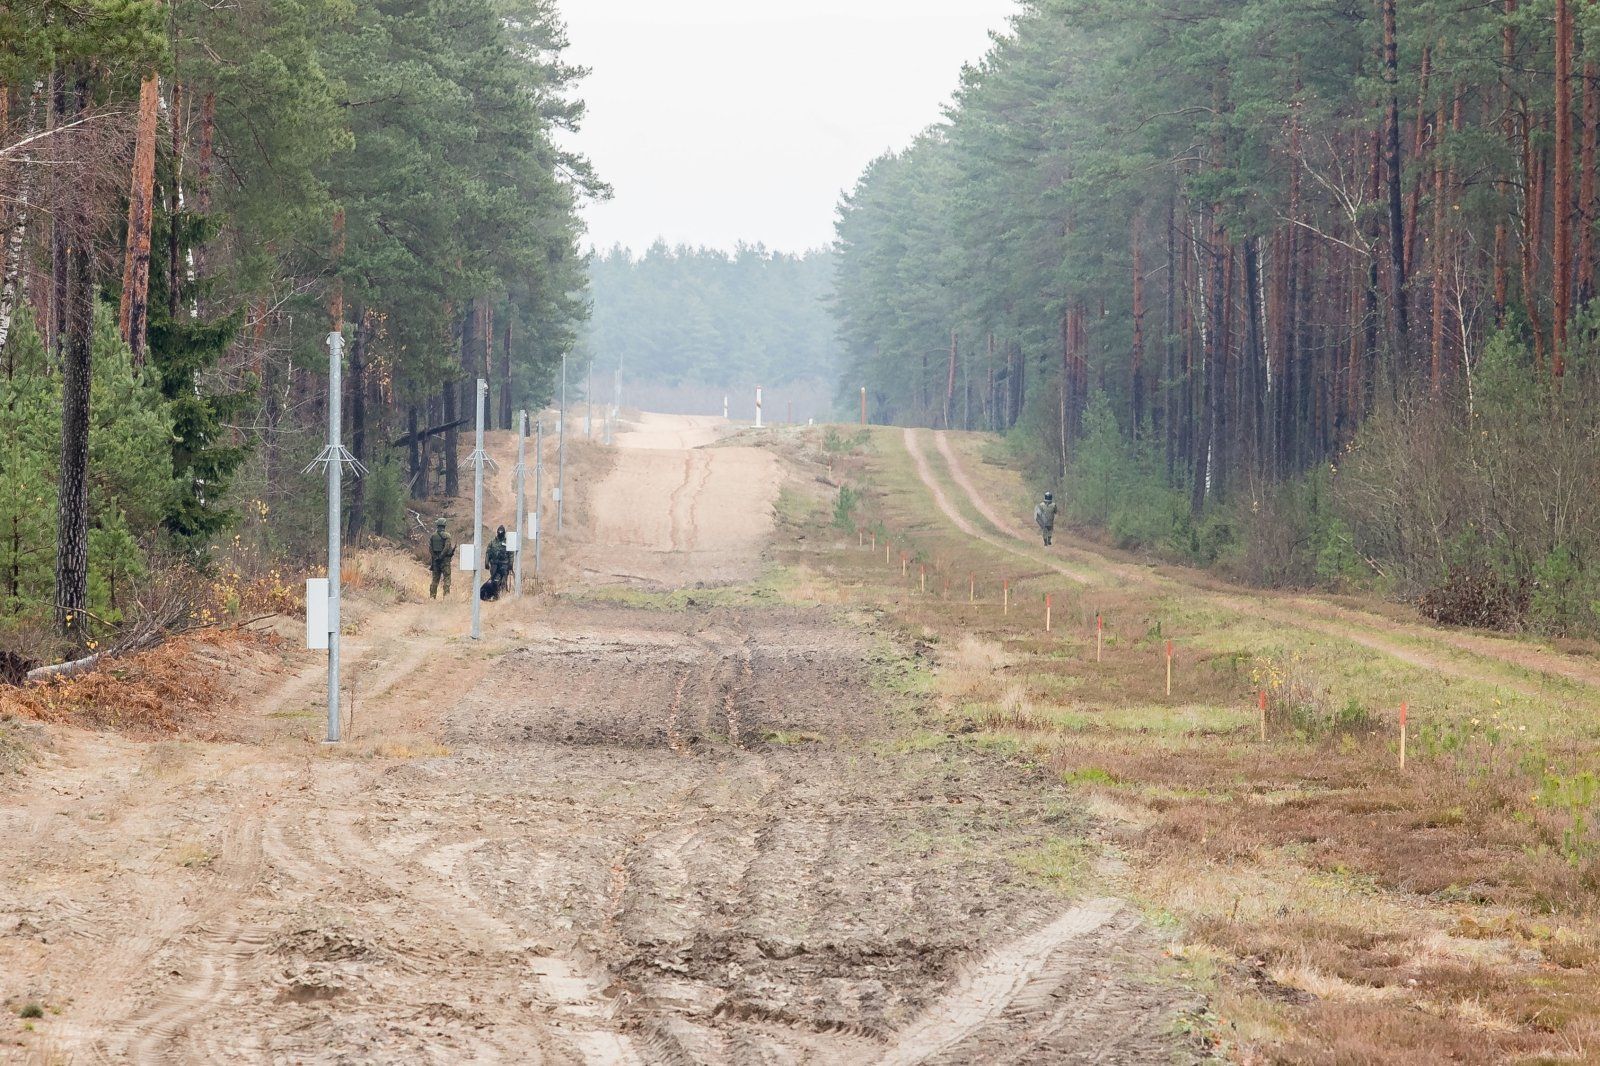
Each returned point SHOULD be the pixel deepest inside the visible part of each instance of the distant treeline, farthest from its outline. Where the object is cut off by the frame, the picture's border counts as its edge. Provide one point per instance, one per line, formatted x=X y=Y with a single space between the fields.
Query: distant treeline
x=713 y=321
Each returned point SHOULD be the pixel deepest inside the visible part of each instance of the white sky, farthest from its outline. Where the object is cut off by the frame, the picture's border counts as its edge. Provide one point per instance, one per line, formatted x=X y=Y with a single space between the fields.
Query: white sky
x=724 y=120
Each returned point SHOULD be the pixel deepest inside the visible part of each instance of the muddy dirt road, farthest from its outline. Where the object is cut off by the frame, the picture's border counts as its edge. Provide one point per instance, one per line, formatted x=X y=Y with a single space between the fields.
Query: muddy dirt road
x=610 y=832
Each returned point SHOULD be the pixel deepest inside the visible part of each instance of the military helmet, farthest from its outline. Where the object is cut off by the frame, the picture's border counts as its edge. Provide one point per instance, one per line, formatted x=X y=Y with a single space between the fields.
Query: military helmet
x=438 y=523
x=1049 y=497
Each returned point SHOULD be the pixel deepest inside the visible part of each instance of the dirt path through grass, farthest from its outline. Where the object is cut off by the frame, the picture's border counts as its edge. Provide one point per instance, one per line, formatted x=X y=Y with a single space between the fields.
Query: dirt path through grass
x=1463 y=655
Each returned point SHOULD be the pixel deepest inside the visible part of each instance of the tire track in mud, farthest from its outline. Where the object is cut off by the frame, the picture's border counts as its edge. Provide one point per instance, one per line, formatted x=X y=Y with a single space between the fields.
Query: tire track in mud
x=1353 y=628
x=501 y=962
x=992 y=984
x=221 y=944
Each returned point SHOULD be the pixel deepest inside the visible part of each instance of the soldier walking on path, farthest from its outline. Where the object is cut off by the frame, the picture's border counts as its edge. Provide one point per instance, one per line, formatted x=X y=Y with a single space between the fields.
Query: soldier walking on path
x=1044 y=516
x=440 y=550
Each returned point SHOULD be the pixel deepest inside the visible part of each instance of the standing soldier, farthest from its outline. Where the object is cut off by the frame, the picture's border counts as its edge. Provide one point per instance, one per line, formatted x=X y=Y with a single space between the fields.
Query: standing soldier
x=1044 y=516
x=440 y=551
x=499 y=563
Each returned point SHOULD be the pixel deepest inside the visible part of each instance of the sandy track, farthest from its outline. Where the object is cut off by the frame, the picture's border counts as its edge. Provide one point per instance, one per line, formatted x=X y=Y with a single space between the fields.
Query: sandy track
x=1467 y=651
x=676 y=511
x=603 y=834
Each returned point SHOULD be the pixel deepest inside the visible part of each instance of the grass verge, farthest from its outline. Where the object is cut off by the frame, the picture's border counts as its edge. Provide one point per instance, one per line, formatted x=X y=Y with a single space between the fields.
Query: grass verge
x=1336 y=908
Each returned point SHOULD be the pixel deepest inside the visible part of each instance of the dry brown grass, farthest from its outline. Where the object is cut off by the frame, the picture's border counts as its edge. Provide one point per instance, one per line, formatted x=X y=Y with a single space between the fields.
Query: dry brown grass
x=152 y=693
x=1350 y=914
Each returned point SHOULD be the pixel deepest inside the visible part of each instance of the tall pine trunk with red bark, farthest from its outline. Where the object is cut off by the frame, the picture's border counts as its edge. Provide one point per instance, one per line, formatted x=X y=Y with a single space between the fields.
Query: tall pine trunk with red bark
x=1561 y=209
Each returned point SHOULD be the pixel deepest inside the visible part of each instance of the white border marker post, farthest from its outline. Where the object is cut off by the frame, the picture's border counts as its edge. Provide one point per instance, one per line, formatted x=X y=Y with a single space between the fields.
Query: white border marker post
x=758 y=406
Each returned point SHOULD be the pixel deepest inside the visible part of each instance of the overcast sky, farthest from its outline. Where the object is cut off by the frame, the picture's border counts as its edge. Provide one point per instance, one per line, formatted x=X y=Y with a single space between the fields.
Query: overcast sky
x=724 y=120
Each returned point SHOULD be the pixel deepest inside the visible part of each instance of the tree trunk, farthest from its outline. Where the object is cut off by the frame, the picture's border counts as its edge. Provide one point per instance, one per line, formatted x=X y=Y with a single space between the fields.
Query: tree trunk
x=134 y=316
x=1137 y=359
x=1561 y=209
x=1169 y=338
x=1532 y=233
x=1255 y=355
x=1419 y=143
x=174 y=198
x=60 y=267
x=1068 y=375
x=950 y=383
x=72 y=531
x=1217 y=362
x=505 y=378
x=202 y=181
x=452 y=444
x=1397 y=261
x=1210 y=316
x=419 y=481
x=357 y=382
x=1441 y=259
x=12 y=262
x=1586 y=182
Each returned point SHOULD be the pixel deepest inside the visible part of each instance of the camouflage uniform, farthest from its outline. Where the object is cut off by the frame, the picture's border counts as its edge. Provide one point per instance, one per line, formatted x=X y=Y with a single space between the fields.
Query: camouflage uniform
x=440 y=551
x=1044 y=516
x=499 y=558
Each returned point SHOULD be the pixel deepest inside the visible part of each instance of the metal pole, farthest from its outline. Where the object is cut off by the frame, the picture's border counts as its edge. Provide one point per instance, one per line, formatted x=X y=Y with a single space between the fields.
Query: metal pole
x=477 y=516
x=335 y=519
x=522 y=469
x=588 y=405
x=758 y=406
x=724 y=408
x=538 y=492
x=561 y=448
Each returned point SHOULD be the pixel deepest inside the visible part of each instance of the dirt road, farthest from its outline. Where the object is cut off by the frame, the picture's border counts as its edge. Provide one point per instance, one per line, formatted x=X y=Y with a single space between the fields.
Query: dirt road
x=677 y=511
x=609 y=832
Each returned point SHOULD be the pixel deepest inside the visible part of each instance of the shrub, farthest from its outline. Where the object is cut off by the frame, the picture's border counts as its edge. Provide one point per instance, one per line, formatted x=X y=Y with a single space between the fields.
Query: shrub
x=1472 y=595
x=844 y=507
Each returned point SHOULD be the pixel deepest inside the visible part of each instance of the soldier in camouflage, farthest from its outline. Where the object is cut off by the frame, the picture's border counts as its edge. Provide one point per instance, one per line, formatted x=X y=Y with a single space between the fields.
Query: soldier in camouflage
x=1044 y=516
x=498 y=562
x=440 y=550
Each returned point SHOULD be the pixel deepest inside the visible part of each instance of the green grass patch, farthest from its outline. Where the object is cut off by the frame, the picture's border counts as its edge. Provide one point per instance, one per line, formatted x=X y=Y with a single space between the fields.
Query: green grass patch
x=1060 y=863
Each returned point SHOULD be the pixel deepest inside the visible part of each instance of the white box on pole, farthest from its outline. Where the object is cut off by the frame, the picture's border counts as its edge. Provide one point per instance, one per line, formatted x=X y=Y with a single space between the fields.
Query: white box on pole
x=317 y=613
x=468 y=559
x=533 y=524
x=555 y=494
x=513 y=541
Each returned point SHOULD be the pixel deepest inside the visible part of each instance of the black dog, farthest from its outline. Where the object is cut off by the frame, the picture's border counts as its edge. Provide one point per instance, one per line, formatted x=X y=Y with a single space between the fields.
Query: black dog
x=490 y=590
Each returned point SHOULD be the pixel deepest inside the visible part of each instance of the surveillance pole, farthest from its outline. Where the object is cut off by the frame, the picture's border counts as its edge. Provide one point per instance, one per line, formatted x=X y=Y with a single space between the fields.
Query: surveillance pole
x=538 y=492
x=333 y=458
x=588 y=405
x=522 y=469
x=478 y=458
x=561 y=450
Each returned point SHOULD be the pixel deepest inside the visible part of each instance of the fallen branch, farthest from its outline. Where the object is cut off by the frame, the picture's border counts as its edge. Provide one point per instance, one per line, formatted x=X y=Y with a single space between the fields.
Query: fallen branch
x=424 y=434
x=73 y=668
